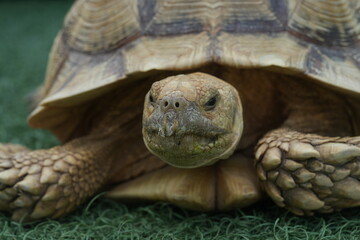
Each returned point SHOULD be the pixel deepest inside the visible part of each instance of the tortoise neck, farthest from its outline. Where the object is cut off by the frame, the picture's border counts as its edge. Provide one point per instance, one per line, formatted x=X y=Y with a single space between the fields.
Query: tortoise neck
x=316 y=109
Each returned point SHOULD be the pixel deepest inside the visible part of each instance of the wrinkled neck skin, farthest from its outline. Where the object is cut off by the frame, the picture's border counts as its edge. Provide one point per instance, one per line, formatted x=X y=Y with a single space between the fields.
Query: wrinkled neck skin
x=192 y=120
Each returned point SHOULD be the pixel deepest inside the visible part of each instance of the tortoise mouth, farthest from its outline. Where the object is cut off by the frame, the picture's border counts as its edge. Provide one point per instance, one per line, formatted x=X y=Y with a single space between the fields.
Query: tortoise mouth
x=184 y=142
x=187 y=150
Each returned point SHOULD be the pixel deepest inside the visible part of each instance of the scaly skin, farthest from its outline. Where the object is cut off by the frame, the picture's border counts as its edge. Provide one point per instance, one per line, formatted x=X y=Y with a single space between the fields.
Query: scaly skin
x=51 y=183
x=12 y=148
x=307 y=172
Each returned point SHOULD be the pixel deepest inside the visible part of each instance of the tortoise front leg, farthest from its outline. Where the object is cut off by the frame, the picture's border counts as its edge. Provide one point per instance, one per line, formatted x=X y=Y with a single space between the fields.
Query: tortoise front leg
x=308 y=172
x=12 y=148
x=50 y=183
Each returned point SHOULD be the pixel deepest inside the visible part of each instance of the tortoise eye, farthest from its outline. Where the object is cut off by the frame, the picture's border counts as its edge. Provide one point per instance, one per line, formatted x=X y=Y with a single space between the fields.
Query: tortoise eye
x=210 y=105
x=151 y=99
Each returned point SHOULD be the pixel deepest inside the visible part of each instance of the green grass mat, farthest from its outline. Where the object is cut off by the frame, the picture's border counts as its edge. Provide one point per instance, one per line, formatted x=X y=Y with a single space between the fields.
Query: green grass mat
x=26 y=32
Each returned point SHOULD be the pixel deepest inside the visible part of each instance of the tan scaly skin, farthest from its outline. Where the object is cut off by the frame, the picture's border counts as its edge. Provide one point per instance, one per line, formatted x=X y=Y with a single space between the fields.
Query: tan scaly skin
x=51 y=183
x=308 y=172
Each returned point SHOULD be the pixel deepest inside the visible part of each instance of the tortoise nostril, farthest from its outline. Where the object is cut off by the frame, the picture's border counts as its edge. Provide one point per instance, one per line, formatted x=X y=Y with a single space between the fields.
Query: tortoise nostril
x=175 y=103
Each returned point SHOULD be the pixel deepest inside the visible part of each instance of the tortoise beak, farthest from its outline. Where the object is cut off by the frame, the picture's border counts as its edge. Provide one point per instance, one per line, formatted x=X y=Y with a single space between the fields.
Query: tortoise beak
x=170 y=124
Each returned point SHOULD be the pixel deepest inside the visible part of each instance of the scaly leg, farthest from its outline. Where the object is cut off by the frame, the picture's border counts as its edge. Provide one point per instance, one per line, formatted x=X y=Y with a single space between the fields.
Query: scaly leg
x=12 y=148
x=308 y=172
x=50 y=183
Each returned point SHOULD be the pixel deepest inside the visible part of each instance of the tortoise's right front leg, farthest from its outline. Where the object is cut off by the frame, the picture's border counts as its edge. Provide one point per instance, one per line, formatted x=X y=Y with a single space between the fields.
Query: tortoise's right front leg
x=50 y=183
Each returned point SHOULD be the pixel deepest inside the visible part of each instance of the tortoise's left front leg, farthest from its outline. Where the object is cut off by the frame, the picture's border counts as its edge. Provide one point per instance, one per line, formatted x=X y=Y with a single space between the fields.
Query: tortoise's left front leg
x=308 y=172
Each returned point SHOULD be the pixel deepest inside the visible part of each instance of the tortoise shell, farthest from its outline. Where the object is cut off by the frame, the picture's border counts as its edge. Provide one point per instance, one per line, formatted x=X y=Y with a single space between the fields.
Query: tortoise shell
x=104 y=43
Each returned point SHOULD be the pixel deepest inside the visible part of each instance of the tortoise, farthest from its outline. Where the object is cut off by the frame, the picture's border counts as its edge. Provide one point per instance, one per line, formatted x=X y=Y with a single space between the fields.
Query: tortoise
x=243 y=100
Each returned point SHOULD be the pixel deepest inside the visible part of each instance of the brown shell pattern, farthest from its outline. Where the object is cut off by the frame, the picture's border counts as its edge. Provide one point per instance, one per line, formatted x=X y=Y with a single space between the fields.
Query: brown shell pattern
x=104 y=41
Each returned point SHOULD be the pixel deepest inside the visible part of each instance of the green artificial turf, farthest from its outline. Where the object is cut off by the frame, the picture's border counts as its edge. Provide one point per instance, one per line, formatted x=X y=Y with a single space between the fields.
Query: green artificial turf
x=26 y=32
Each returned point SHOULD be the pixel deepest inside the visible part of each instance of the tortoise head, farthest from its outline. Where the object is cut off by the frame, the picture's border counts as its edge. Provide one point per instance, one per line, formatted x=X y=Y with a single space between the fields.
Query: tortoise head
x=192 y=120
